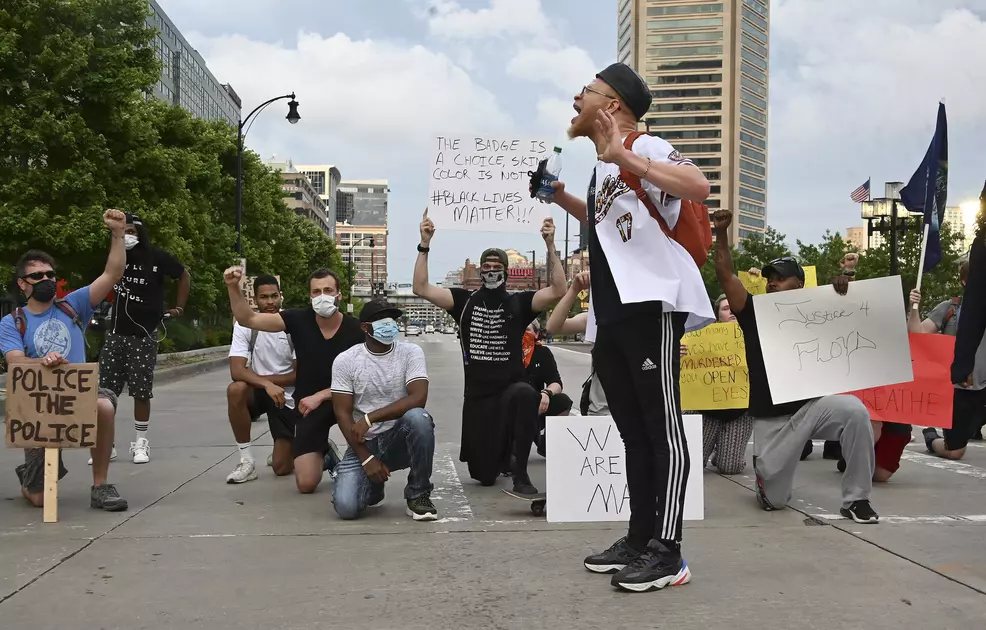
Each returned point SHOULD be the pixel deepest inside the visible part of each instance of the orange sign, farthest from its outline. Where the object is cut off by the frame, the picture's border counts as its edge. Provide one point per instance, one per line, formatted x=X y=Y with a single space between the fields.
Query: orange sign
x=927 y=400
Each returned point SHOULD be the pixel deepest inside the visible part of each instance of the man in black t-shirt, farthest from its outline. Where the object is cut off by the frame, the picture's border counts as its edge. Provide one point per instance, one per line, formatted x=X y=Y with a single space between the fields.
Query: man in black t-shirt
x=780 y=431
x=320 y=334
x=499 y=410
x=542 y=375
x=129 y=352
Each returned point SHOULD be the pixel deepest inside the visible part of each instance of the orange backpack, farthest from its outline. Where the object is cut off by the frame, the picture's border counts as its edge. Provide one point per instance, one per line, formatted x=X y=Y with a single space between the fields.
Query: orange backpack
x=693 y=231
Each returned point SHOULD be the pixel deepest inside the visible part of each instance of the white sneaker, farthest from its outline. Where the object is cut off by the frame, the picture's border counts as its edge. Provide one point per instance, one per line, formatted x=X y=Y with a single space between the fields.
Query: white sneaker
x=112 y=456
x=245 y=471
x=141 y=450
x=270 y=460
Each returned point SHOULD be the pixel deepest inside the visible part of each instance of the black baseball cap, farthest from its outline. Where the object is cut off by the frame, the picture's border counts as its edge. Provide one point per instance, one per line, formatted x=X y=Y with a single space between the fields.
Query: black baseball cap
x=786 y=267
x=133 y=219
x=379 y=309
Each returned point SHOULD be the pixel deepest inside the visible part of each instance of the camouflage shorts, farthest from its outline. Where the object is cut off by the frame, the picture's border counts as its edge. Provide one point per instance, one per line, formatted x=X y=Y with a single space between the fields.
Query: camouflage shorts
x=32 y=472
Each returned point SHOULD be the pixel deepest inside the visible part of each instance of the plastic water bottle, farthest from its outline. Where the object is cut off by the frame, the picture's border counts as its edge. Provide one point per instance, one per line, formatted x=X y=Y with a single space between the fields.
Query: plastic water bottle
x=546 y=194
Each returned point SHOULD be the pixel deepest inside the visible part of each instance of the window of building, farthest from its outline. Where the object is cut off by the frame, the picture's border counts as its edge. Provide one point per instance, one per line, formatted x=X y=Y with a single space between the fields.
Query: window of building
x=714 y=190
x=685 y=9
x=757 y=142
x=751 y=36
x=753 y=86
x=752 y=194
x=756 y=6
x=756 y=19
x=748 y=68
x=664 y=25
x=754 y=60
x=625 y=49
x=712 y=176
x=753 y=153
x=746 y=110
x=691 y=134
x=750 y=221
x=681 y=121
x=686 y=107
x=747 y=233
x=707 y=161
x=752 y=126
x=751 y=208
x=747 y=165
x=678 y=38
x=711 y=203
x=688 y=149
x=623 y=5
x=752 y=181
x=676 y=79
x=755 y=100
x=687 y=92
x=685 y=64
x=684 y=51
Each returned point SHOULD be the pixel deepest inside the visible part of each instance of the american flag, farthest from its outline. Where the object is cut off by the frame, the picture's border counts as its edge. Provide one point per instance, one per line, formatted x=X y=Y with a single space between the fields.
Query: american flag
x=862 y=193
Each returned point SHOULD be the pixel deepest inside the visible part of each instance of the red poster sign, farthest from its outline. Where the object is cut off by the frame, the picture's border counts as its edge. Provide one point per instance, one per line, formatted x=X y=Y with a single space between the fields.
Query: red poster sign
x=927 y=400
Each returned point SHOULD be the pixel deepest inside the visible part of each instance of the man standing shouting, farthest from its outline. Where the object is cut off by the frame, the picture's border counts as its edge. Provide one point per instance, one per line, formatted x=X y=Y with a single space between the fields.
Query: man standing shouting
x=646 y=292
x=499 y=411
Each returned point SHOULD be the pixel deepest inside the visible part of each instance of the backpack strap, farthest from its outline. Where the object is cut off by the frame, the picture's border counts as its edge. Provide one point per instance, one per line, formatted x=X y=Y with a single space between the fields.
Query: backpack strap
x=633 y=181
x=954 y=304
x=20 y=323
x=253 y=339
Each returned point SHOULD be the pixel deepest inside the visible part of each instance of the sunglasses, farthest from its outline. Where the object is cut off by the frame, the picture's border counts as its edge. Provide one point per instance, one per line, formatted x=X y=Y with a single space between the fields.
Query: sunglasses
x=586 y=88
x=39 y=275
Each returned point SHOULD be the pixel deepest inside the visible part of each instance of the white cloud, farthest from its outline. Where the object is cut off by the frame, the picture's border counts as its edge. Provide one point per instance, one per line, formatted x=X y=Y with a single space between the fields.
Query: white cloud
x=502 y=18
x=567 y=68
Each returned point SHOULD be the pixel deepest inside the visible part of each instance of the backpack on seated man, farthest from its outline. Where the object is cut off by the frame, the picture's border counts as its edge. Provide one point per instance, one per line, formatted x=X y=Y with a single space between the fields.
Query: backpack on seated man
x=693 y=231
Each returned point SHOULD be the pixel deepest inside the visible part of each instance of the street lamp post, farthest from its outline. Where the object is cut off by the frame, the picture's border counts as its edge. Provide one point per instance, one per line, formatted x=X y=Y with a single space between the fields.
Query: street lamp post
x=884 y=211
x=351 y=248
x=534 y=269
x=293 y=117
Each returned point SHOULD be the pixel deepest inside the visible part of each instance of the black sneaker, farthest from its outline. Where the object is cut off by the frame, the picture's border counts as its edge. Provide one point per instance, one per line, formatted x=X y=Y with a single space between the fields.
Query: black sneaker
x=841 y=466
x=105 y=497
x=832 y=450
x=614 y=559
x=861 y=512
x=806 y=451
x=930 y=434
x=376 y=496
x=422 y=509
x=657 y=568
x=523 y=485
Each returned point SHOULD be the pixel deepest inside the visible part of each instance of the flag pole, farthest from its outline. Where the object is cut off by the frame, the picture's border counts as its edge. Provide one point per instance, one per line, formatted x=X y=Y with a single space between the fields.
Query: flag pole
x=924 y=249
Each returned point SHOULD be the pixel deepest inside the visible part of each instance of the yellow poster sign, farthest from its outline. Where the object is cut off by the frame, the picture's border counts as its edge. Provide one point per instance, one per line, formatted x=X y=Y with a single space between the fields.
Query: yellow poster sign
x=757 y=285
x=713 y=372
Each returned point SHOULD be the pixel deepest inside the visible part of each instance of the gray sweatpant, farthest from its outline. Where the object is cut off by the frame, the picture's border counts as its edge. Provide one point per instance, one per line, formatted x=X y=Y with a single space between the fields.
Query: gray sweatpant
x=778 y=442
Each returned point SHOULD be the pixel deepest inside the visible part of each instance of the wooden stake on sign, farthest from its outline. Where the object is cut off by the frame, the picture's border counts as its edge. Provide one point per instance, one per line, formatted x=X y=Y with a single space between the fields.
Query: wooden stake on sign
x=51 y=486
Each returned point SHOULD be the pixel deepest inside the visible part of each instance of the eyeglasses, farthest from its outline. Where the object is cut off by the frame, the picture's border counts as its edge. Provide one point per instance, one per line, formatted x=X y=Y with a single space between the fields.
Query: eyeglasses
x=586 y=88
x=39 y=275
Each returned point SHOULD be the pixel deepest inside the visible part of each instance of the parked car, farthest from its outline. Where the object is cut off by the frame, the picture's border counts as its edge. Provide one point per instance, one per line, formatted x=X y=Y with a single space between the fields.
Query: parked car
x=412 y=330
x=429 y=329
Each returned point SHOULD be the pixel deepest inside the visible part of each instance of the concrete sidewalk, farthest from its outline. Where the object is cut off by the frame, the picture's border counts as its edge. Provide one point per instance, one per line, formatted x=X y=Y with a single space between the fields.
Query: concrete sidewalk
x=194 y=552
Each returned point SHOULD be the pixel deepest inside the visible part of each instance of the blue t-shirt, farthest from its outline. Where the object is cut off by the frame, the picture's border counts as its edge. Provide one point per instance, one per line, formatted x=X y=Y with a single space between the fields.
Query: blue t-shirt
x=51 y=331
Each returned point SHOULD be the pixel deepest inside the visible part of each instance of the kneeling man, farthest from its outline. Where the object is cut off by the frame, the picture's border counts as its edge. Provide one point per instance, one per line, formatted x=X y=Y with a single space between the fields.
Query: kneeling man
x=379 y=390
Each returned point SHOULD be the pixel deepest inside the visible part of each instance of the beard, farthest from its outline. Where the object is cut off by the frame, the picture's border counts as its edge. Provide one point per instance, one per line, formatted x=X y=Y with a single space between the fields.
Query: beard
x=580 y=128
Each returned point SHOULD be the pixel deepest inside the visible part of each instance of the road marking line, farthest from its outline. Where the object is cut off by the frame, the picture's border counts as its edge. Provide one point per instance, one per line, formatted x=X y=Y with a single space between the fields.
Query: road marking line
x=944 y=464
x=449 y=491
x=932 y=520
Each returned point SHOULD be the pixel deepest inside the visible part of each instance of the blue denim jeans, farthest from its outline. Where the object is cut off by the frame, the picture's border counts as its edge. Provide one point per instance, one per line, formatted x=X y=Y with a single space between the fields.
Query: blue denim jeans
x=409 y=444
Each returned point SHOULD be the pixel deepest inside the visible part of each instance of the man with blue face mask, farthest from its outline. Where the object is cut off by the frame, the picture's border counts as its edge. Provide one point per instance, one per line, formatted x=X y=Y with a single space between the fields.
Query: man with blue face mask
x=379 y=391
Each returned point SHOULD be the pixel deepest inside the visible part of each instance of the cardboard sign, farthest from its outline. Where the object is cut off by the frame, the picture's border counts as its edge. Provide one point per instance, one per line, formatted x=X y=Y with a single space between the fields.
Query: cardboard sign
x=586 y=472
x=482 y=184
x=714 y=373
x=927 y=400
x=246 y=285
x=816 y=342
x=52 y=407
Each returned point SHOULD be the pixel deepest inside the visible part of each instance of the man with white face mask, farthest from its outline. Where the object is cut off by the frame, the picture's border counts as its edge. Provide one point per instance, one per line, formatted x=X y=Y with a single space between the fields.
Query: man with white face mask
x=320 y=334
x=379 y=391
x=499 y=410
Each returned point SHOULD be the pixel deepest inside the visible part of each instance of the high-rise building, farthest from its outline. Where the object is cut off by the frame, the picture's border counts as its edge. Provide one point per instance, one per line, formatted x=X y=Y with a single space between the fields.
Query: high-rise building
x=300 y=195
x=857 y=236
x=325 y=180
x=367 y=245
x=185 y=78
x=369 y=200
x=344 y=206
x=707 y=66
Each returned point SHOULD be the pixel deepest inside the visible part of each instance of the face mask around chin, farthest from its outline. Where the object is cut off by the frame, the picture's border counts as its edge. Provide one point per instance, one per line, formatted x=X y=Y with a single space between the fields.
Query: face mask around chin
x=493 y=279
x=325 y=305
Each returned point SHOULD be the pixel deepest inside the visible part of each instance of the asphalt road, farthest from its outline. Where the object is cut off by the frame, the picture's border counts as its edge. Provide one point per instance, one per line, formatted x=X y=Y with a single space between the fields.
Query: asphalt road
x=194 y=552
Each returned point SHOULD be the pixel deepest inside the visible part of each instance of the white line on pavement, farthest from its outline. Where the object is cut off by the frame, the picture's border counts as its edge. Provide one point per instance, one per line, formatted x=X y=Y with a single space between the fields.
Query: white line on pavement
x=928 y=520
x=449 y=491
x=944 y=464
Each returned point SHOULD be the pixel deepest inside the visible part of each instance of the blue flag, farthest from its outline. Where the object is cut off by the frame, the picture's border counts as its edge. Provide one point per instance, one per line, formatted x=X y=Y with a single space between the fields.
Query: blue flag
x=928 y=189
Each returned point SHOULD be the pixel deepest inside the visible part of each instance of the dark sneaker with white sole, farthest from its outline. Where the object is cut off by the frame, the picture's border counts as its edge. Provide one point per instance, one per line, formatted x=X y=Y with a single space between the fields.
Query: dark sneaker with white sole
x=656 y=568
x=861 y=512
x=422 y=509
x=105 y=497
x=616 y=558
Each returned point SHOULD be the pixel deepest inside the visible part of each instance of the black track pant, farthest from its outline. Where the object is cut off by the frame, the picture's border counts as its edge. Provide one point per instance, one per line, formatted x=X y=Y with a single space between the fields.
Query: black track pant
x=637 y=362
x=496 y=427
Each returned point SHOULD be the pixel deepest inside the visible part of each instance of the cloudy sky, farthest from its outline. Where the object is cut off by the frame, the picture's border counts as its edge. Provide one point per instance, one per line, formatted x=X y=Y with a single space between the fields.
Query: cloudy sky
x=853 y=94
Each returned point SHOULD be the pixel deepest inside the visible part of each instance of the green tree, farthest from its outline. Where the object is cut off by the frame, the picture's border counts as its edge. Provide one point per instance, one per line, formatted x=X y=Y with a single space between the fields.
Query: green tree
x=826 y=257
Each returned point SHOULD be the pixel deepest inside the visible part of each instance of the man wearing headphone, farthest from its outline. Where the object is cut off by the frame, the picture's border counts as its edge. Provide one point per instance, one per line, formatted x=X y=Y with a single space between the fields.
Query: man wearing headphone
x=129 y=353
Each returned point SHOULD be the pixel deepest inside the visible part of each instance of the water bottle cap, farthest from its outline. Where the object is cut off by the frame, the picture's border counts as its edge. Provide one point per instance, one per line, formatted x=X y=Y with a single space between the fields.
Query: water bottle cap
x=557 y=149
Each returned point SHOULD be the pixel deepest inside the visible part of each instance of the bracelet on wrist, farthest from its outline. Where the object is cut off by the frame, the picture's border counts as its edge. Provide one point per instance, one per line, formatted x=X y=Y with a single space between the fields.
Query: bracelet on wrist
x=368 y=460
x=366 y=419
x=424 y=249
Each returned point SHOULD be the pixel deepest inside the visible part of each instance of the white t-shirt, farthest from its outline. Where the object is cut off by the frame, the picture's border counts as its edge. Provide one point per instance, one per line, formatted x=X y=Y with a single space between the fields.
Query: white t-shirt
x=646 y=264
x=377 y=380
x=273 y=355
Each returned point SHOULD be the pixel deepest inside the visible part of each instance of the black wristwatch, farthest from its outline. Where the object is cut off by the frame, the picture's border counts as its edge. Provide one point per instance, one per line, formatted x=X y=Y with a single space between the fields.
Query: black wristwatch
x=423 y=250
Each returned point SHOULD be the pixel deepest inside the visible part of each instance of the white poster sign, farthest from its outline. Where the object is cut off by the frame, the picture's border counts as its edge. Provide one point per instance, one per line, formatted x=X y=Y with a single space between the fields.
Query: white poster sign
x=481 y=184
x=816 y=342
x=586 y=470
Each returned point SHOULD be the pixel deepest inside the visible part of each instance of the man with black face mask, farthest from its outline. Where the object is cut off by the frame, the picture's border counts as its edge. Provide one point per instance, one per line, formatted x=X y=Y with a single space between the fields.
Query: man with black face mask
x=499 y=410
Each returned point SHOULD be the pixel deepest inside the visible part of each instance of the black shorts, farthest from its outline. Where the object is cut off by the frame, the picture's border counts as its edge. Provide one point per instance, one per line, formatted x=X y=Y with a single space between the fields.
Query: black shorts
x=311 y=432
x=968 y=415
x=281 y=420
x=128 y=360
